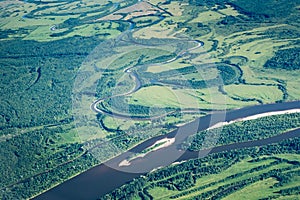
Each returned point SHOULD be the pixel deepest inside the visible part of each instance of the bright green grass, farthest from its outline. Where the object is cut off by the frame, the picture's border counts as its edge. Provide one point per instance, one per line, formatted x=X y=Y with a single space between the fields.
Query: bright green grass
x=292 y=197
x=69 y=137
x=239 y=167
x=264 y=187
x=38 y=27
x=163 y=96
x=95 y=29
x=268 y=94
x=121 y=124
x=293 y=89
x=267 y=76
x=251 y=191
x=292 y=157
x=174 y=7
x=207 y=16
x=177 y=64
x=215 y=99
x=161 y=193
x=43 y=33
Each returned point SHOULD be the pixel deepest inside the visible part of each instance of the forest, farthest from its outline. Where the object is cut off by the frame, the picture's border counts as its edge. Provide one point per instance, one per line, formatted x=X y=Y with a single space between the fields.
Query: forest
x=42 y=72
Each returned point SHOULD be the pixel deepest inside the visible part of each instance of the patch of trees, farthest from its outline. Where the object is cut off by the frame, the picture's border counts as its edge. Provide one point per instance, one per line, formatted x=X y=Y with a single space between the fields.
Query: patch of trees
x=159 y=59
x=282 y=33
x=120 y=105
x=243 y=131
x=227 y=73
x=189 y=83
x=288 y=59
x=229 y=20
x=290 y=191
x=219 y=169
x=147 y=21
x=194 y=29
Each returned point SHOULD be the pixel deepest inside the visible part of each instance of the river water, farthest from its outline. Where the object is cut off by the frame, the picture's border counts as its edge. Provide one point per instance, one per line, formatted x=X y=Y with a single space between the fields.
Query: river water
x=108 y=176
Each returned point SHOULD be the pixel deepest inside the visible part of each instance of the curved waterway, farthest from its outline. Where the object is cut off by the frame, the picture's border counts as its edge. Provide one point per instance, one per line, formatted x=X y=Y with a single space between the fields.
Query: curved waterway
x=108 y=176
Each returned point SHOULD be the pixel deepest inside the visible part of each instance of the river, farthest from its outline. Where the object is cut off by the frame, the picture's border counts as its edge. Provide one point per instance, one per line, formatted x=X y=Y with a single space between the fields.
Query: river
x=108 y=176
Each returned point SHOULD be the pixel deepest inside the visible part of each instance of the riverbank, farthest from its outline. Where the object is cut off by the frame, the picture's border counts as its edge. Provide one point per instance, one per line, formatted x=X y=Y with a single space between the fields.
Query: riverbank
x=163 y=143
x=221 y=124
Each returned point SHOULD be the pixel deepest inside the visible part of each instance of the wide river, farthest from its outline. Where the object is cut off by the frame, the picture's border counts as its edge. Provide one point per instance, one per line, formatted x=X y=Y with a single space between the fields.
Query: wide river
x=103 y=178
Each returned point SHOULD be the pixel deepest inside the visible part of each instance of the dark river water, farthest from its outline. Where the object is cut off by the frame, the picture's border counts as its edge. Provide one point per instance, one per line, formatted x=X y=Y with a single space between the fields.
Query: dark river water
x=105 y=177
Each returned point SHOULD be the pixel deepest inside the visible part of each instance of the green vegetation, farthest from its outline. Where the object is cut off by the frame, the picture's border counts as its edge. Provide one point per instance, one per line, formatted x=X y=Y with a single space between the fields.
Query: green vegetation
x=256 y=93
x=50 y=51
x=232 y=175
x=35 y=160
x=146 y=21
x=36 y=87
x=244 y=131
x=288 y=59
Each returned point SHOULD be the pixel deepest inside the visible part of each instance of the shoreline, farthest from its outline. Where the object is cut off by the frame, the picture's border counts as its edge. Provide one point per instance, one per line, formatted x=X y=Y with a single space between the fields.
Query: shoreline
x=166 y=142
x=253 y=117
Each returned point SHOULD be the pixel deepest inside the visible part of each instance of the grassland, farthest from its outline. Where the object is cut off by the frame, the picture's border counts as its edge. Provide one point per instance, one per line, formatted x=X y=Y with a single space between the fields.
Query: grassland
x=159 y=68
x=266 y=94
x=160 y=96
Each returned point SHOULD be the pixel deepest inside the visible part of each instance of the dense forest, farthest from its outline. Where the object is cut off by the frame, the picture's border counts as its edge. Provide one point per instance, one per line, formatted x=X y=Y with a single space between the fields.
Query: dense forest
x=42 y=74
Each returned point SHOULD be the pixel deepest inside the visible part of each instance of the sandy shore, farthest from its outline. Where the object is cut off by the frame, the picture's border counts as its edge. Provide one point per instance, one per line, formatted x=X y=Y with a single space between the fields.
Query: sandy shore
x=166 y=142
x=220 y=124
